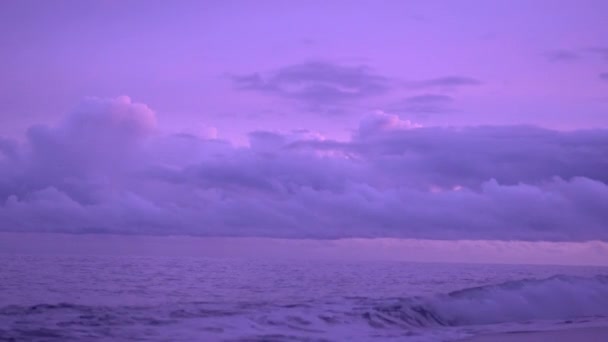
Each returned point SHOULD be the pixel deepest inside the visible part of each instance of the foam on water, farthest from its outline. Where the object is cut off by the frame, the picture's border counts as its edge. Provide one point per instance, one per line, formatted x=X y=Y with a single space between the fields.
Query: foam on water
x=208 y=312
x=559 y=297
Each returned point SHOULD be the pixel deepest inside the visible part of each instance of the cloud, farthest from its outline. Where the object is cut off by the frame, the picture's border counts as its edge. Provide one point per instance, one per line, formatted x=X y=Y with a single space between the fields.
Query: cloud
x=459 y=251
x=444 y=83
x=317 y=83
x=93 y=144
x=562 y=56
x=381 y=123
x=428 y=98
x=470 y=155
x=104 y=169
x=573 y=55
x=600 y=51
x=8 y=148
x=423 y=104
x=331 y=88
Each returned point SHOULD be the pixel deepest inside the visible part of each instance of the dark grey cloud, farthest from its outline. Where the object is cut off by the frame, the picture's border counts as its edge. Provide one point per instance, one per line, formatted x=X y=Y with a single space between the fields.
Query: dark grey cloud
x=317 y=83
x=423 y=104
x=562 y=56
x=445 y=82
x=603 y=76
x=103 y=169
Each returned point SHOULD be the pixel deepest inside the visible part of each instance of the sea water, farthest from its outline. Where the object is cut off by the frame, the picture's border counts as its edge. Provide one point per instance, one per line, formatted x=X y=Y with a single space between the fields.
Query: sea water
x=104 y=298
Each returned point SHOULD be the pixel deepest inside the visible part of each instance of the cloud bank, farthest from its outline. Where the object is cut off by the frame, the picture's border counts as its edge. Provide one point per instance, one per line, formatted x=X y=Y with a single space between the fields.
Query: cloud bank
x=459 y=251
x=105 y=169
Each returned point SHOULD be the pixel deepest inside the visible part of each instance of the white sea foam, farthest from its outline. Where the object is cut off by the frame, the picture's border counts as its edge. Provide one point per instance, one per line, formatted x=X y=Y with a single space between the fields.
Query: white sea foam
x=235 y=300
x=557 y=297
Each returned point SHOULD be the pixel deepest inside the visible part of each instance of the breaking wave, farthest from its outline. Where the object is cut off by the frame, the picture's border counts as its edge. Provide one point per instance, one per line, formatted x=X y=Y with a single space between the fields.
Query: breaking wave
x=556 y=298
x=560 y=298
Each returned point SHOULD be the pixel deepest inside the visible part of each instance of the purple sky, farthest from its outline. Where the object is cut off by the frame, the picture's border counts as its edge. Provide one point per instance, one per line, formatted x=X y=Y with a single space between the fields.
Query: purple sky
x=451 y=120
x=533 y=62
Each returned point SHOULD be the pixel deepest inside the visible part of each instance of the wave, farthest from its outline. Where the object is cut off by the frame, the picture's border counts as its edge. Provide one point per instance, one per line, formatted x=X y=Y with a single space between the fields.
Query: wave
x=556 y=298
x=561 y=298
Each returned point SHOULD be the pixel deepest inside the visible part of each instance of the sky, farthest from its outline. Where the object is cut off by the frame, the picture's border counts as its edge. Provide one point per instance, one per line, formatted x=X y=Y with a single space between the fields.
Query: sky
x=428 y=120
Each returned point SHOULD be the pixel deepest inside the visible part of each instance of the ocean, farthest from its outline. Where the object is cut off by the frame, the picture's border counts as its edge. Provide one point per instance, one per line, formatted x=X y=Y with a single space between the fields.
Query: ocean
x=128 y=298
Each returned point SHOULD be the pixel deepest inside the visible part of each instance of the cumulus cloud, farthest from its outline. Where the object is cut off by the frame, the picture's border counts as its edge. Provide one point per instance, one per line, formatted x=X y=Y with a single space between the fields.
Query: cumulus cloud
x=382 y=122
x=104 y=169
x=93 y=144
x=471 y=155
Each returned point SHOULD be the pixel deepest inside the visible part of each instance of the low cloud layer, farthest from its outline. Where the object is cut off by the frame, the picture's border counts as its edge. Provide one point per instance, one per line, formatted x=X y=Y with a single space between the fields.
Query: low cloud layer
x=106 y=169
x=460 y=251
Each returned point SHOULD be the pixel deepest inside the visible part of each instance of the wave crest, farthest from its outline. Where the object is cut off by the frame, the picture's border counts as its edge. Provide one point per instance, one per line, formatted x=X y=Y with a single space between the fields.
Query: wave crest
x=556 y=298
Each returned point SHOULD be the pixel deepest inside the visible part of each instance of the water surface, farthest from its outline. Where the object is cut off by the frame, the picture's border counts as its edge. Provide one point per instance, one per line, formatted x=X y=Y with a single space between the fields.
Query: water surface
x=103 y=298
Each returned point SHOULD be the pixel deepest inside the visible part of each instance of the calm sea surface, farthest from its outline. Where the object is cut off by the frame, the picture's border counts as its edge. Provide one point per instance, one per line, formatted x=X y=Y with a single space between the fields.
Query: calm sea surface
x=77 y=298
